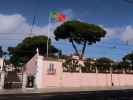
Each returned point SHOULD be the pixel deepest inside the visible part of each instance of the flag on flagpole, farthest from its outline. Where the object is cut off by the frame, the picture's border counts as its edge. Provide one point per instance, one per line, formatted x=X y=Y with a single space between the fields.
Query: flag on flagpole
x=57 y=16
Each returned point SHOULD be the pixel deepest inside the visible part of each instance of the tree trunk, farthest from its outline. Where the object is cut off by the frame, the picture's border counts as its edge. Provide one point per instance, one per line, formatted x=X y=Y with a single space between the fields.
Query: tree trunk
x=75 y=48
x=83 y=50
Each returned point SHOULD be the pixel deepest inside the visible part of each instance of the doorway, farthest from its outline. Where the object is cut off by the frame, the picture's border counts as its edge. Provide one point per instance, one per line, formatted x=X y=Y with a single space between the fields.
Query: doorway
x=30 y=82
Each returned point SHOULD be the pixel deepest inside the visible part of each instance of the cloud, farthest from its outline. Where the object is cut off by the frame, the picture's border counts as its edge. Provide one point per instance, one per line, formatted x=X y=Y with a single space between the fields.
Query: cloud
x=124 y=34
x=12 y=23
x=112 y=32
x=17 y=23
x=14 y=28
x=127 y=35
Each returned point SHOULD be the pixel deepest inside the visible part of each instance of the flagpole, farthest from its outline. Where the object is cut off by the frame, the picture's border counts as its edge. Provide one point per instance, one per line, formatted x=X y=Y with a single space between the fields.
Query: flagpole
x=61 y=18
x=49 y=23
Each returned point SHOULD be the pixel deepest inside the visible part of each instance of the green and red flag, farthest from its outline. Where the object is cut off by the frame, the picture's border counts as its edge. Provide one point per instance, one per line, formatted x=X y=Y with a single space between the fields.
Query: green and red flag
x=57 y=16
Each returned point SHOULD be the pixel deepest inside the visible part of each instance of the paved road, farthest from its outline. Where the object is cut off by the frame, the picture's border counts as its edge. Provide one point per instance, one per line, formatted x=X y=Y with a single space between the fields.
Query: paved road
x=65 y=94
x=100 y=95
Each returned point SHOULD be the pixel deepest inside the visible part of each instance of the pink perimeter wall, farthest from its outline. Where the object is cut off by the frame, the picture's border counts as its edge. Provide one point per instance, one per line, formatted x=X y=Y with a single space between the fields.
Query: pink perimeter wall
x=67 y=79
x=86 y=80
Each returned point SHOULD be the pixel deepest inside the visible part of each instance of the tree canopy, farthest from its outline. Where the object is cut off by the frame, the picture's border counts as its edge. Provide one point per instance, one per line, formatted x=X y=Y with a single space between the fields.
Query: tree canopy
x=80 y=33
x=128 y=61
x=20 y=54
x=104 y=64
x=128 y=58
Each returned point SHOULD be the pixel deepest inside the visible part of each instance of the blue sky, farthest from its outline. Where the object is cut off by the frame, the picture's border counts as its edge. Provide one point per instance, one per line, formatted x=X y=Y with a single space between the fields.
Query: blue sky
x=115 y=16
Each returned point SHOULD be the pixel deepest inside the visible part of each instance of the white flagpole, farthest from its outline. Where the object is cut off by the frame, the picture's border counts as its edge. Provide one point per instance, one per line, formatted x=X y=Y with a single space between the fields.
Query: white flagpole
x=49 y=25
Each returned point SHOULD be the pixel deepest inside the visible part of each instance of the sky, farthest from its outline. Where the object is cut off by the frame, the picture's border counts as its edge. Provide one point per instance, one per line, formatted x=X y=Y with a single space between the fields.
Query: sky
x=115 y=16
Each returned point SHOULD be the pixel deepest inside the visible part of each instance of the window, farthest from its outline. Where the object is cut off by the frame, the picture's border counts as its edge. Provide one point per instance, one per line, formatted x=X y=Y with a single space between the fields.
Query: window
x=51 y=69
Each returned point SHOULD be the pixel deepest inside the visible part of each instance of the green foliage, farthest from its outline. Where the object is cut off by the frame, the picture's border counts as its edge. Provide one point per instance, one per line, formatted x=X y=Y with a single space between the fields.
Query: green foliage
x=128 y=61
x=103 y=64
x=119 y=67
x=79 y=33
x=128 y=58
x=70 y=65
x=23 y=52
x=89 y=66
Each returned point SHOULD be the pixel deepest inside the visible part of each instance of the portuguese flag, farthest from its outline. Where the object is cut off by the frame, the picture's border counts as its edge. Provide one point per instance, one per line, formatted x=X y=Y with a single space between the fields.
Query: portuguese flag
x=57 y=16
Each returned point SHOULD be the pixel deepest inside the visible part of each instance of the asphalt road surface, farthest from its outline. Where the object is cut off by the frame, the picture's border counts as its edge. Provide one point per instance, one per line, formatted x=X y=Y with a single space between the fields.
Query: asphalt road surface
x=93 y=95
x=65 y=97
x=114 y=93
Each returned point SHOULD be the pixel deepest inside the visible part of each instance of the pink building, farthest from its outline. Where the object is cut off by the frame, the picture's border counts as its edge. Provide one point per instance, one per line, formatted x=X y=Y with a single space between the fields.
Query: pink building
x=43 y=72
